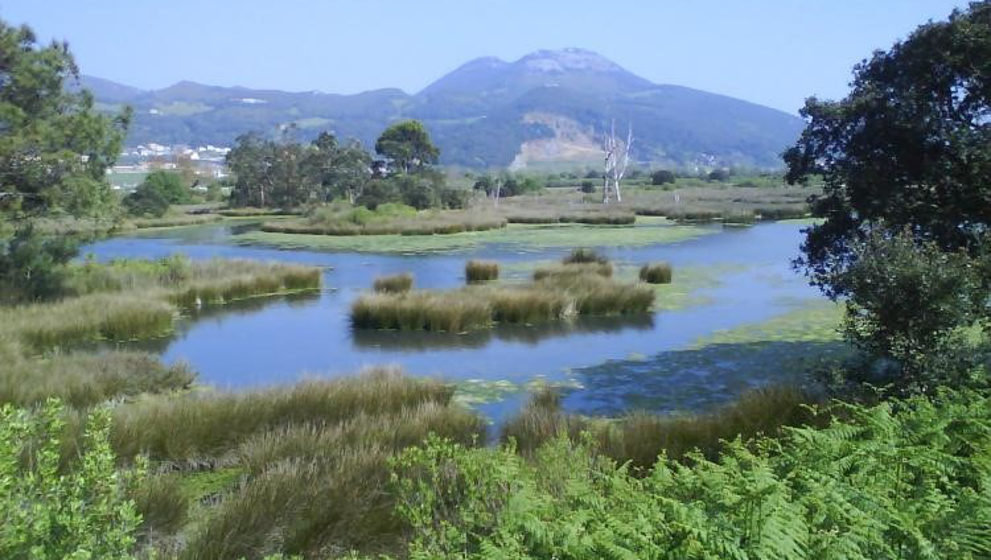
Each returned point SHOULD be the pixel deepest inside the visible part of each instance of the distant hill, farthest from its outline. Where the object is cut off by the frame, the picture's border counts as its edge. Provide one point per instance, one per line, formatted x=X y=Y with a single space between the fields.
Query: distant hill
x=547 y=107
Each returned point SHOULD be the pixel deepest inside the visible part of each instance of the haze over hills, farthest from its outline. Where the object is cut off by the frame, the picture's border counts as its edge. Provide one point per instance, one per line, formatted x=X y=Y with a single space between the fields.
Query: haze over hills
x=548 y=106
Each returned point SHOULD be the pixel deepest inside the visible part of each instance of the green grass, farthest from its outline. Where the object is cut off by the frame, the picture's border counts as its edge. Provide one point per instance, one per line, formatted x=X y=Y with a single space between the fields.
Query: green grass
x=343 y=220
x=173 y=221
x=656 y=273
x=396 y=284
x=83 y=380
x=645 y=232
x=208 y=425
x=481 y=271
x=565 y=271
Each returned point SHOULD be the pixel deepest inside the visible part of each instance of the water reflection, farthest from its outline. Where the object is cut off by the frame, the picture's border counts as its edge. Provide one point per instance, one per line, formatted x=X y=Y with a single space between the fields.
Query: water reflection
x=531 y=335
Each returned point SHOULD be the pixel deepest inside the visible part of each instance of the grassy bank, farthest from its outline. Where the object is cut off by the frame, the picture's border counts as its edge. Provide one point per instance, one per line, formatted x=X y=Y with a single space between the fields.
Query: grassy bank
x=647 y=231
x=387 y=219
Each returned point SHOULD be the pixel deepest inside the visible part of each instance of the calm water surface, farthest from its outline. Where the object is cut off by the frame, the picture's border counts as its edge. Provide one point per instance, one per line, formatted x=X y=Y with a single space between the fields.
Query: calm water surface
x=279 y=340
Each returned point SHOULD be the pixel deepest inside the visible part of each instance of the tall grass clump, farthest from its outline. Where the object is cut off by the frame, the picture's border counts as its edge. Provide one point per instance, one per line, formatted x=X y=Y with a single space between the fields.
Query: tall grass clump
x=118 y=317
x=84 y=380
x=395 y=284
x=395 y=219
x=583 y=255
x=345 y=464
x=640 y=437
x=529 y=305
x=481 y=271
x=204 y=425
x=573 y=270
x=430 y=311
x=656 y=273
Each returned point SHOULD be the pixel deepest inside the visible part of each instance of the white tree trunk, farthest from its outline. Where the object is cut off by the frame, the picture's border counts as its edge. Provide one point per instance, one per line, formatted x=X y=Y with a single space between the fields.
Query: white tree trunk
x=616 y=160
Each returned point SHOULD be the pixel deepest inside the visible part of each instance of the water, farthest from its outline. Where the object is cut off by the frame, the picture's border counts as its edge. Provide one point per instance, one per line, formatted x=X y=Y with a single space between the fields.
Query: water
x=280 y=340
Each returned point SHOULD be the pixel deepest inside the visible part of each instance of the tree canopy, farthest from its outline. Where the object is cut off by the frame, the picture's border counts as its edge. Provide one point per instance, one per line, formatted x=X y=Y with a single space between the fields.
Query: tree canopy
x=54 y=146
x=909 y=147
x=408 y=145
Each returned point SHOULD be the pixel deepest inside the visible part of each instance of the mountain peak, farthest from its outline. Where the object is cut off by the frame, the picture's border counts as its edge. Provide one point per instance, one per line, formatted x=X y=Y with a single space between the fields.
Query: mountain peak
x=566 y=59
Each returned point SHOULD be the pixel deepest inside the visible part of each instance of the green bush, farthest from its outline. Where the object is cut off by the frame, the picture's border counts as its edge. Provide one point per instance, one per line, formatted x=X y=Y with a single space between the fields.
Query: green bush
x=662 y=176
x=896 y=480
x=80 y=514
x=32 y=266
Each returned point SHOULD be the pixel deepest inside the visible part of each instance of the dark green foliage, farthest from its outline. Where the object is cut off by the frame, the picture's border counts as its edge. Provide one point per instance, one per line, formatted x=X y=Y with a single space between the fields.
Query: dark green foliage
x=408 y=145
x=907 y=303
x=903 y=480
x=396 y=284
x=32 y=265
x=168 y=185
x=587 y=187
x=56 y=147
x=481 y=271
x=718 y=175
x=378 y=191
x=286 y=174
x=656 y=273
x=910 y=146
x=661 y=177
x=146 y=201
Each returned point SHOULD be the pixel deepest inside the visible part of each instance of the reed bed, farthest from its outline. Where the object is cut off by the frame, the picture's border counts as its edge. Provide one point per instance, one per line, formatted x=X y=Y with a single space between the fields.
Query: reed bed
x=565 y=271
x=589 y=217
x=119 y=317
x=345 y=464
x=640 y=437
x=456 y=311
x=481 y=271
x=729 y=204
x=248 y=211
x=423 y=223
x=188 y=282
x=198 y=426
x=656 y=273
x=395 y=284
x=175 y=221
x=83 y=380
x=583 y=291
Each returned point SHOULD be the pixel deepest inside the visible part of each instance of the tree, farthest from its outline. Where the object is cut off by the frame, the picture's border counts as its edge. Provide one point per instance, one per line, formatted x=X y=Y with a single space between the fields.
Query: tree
x=909 y=147
x=408 y=145
x=169 y=185
x=31 y=265
x=662 y=176
x=54 y=146
x=617 y=159
x=342 y=170
x=907 y=303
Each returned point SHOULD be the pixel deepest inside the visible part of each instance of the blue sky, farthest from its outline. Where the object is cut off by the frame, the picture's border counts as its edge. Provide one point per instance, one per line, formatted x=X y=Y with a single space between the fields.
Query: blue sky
x=773 y=52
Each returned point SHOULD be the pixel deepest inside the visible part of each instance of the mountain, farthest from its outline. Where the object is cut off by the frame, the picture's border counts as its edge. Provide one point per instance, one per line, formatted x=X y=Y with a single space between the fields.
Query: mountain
x=550 y=106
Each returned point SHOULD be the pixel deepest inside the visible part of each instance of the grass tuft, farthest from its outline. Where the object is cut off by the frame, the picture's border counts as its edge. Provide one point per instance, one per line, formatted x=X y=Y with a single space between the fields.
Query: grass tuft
x=481 y=271
x=656 y=273
x=582 y=255
x=396 y=284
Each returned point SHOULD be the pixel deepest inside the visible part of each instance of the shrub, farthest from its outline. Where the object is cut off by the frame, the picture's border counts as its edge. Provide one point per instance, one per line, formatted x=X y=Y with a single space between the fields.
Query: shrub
x=656 y=273
x=480 y=271
x=662 y=176
x=84 y=513
x=583 y=255
x=396 y=284
x=587 y=187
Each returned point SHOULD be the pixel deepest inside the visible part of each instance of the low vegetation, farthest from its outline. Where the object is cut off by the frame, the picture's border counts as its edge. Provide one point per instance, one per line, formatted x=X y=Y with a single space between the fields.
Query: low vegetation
x=481 y=271
x=555 y=294
x=386 y=219
x=656 y=273
x=396 y=284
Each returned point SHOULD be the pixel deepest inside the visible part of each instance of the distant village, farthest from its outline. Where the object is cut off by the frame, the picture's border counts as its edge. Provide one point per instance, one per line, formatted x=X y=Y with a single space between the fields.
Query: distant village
x=135 y=163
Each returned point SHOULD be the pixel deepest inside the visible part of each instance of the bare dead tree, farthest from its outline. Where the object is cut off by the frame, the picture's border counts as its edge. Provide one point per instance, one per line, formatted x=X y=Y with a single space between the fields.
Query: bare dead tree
x=616 y=161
